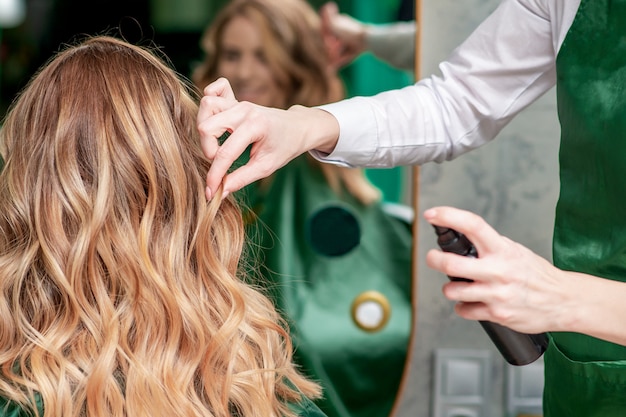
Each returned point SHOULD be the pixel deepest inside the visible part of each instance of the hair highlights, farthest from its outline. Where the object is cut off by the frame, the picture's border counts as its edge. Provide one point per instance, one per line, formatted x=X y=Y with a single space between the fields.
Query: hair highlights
x=121 y=291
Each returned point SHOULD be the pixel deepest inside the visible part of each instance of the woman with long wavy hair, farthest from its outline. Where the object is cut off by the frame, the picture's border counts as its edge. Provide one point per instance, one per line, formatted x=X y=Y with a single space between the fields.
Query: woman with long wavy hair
x=121 y=287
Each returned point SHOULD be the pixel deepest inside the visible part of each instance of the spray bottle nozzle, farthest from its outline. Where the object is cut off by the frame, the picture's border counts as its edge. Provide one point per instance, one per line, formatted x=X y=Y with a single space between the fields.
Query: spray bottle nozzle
x=452 y=241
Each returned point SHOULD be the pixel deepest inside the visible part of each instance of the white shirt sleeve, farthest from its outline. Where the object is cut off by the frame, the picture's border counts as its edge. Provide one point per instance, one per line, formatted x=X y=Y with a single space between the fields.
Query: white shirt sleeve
x=505 y=65
x=394 y=43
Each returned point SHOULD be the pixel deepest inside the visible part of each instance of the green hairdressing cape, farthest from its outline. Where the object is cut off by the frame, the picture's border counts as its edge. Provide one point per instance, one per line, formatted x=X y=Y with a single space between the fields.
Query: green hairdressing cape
x=340 y=273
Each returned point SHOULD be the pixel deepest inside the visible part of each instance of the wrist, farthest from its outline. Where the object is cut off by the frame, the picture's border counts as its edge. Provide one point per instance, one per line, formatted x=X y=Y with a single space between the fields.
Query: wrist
x=600 y=305
x=321 y=129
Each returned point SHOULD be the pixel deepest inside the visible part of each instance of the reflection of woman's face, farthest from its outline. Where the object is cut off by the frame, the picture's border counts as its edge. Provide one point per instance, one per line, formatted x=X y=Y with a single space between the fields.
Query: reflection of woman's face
x=243 y=62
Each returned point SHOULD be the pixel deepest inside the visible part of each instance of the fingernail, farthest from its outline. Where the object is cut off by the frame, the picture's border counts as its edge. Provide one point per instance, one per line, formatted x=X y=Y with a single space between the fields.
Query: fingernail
x=430 y=213
x=208 y=193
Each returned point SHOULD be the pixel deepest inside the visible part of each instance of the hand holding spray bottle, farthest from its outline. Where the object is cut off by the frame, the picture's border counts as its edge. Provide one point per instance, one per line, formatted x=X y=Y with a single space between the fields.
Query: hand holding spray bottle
x=517 y=348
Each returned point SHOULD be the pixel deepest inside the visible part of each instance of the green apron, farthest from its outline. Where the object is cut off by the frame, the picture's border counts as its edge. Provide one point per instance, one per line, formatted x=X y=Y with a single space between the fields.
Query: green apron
x=324 y=257
x=586 y=376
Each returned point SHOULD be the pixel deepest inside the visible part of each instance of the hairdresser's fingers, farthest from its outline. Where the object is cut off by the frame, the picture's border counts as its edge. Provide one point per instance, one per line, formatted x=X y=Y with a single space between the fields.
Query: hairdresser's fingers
x=218 y=97
x=511 y=312
x=497 y=254
x=247 y=174
x=220 y=88
x=213 y=122
x=334 y=46
x=473 y=311
x=228 y=153
x=454 y=265
x=485 y=238
x=327 y=13
x=244 y=127
x=265 y=129
x=487 y=292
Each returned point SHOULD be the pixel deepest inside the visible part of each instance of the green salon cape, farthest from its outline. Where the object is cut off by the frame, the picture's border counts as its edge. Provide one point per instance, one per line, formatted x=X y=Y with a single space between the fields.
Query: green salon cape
x=12 y=409
x=340 y=273
x=306 y=408
x=586 y=377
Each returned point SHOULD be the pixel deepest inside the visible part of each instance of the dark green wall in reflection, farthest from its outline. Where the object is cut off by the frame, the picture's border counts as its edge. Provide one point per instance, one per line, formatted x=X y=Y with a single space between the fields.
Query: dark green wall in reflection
x=176 y=26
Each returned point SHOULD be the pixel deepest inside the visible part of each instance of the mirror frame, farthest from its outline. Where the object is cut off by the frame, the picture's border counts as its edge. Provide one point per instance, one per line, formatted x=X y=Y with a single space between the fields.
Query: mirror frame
x=415 y=171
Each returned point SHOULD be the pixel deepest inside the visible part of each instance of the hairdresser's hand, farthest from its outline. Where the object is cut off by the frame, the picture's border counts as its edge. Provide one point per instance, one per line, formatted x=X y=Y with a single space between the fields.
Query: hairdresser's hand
x=512 y=285
x=277 y=136
x=345 y=36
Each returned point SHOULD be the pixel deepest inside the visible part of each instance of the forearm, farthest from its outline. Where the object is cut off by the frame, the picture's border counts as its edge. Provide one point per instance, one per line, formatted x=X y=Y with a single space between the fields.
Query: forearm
x=596 y=307
x=318 y=129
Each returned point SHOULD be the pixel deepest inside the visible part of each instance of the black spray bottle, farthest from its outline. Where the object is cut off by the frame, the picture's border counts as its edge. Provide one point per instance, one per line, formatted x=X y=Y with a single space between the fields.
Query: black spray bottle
x=517 y=348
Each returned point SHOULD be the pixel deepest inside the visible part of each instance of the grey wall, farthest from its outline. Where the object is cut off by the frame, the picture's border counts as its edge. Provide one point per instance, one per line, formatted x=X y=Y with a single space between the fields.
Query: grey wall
x=512 y=182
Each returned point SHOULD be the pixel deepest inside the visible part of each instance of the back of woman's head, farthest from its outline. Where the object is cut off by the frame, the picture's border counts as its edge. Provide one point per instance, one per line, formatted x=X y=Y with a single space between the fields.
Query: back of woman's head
x=293 y=47
x=120 y=291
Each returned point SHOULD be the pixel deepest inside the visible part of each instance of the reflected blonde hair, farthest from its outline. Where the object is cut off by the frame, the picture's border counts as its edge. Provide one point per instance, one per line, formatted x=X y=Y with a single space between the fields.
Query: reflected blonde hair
x=296 y=54
x=121 y=288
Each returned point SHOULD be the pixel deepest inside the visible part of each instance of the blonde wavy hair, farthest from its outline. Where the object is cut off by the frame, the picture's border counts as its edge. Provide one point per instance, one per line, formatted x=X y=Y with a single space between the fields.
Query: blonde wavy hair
x=121 y=287
x=297 y=56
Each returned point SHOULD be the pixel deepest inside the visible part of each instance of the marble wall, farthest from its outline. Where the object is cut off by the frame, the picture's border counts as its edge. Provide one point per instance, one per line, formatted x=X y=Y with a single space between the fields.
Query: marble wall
x=512 y=182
